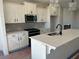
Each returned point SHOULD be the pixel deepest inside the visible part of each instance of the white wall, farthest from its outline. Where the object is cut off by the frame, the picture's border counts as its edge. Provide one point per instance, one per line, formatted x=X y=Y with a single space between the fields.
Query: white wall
x=48 y=19
x=65 y=51
x=0 y=45
x=2 y=30
x=60 y=16
x=68 y=17
x=76 y=20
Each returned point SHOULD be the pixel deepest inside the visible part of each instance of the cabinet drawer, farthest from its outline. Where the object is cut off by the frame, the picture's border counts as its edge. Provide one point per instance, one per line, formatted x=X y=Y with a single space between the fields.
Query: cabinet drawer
x=17 y=40
x=11 y=35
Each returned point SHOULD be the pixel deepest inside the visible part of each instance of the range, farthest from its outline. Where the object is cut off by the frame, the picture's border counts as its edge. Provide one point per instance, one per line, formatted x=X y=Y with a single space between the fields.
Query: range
x=32 y=32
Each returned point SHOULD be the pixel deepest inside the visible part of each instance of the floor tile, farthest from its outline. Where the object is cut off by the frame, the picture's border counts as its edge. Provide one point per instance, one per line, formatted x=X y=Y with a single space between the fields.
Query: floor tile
x=22 y=54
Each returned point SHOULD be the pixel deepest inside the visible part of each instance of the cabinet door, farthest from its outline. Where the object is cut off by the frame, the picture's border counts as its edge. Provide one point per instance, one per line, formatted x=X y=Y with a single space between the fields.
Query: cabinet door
x=44 y=14
x=10 y=11
x=23 y=37
x=14 y=13
x=38 y=49
x=20 y=14
x=33 y=9
x=13 y=43
x=53 y=10
x=41 y=14
x=30 y=8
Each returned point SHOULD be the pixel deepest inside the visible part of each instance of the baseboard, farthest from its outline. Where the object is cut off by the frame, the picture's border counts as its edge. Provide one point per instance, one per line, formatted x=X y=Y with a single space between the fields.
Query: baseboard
x=18 y=49
x=1 y=53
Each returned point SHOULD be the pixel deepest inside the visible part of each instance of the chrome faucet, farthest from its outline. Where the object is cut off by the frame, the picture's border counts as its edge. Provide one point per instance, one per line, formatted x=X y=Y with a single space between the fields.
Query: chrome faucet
x=60 y=28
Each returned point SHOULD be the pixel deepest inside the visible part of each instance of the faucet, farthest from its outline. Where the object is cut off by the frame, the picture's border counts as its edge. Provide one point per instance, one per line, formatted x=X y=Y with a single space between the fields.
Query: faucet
x=60 y=28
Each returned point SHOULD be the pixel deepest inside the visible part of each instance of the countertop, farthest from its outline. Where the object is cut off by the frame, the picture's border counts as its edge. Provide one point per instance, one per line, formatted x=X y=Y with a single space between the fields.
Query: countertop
x=58 y=40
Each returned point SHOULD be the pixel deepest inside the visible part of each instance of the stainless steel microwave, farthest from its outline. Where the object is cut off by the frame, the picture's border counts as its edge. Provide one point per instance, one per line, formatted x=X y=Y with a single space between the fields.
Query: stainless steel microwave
x=30 y=18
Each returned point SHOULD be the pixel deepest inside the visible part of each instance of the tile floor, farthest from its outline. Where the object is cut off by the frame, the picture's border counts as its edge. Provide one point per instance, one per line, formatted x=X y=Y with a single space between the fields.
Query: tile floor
x=77 y=57
x=23 y=54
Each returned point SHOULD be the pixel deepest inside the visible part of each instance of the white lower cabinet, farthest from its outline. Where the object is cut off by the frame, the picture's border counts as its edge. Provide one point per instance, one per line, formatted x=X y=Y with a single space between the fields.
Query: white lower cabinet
x=41 y=50
x=17 y=40
x=13 y=42
x=23 y=39
x=38 y=49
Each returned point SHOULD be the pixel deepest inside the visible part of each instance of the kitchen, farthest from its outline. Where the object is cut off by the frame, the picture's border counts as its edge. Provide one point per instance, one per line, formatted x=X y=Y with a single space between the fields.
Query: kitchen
x=18 y=24
x=23 y=18
x=14 y=14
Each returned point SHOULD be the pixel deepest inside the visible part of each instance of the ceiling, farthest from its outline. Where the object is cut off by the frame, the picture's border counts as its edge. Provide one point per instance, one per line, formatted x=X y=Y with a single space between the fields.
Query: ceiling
x=63 y=3
x=45 y=1
x=40 y=1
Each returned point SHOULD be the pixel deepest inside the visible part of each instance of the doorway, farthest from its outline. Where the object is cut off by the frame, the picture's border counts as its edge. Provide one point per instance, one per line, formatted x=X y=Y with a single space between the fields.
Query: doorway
x=53 y=23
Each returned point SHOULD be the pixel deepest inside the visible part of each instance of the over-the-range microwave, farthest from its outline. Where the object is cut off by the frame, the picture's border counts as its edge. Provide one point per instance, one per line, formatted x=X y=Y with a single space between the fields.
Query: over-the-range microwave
x=30 y=18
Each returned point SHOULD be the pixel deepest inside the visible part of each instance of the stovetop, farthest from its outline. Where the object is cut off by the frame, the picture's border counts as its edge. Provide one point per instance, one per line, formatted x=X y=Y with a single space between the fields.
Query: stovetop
x=31 y=29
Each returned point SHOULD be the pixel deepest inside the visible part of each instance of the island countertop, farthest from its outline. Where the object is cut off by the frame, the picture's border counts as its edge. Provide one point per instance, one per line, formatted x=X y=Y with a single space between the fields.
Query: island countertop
x=58 y=40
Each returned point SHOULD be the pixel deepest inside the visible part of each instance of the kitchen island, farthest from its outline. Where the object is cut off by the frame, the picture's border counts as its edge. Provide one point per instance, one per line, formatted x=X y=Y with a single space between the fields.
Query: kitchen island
x=56 y=46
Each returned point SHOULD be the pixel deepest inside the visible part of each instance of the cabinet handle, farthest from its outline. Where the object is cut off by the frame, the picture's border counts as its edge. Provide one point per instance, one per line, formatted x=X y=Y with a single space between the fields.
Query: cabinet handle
x=13 y=36
x=42 y=19
x=18 y=38
x=31 y=12
x=17 y=19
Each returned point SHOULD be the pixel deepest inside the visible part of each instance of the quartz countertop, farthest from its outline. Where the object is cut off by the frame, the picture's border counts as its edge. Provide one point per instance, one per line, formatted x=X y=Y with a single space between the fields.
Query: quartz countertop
x=57 y=40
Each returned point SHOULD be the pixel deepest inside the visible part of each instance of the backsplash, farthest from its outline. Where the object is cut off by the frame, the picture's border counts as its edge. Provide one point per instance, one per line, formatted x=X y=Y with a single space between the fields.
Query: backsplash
x=21 y=26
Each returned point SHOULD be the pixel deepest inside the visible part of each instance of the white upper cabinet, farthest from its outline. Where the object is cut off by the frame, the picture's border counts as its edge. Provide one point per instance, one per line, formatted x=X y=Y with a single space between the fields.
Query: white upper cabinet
x=53 y=10
x=30 y=8
x=20 y=14
x=41 y=14
x=14 y=13
x=9 y=13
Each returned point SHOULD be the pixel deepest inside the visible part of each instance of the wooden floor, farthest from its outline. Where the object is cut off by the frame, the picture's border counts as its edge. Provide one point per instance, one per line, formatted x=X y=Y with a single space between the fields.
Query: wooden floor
x=23 y=54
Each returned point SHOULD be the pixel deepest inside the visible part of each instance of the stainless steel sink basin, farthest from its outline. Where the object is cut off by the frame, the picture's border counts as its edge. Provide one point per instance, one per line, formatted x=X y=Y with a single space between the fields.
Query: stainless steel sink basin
x=52 y=34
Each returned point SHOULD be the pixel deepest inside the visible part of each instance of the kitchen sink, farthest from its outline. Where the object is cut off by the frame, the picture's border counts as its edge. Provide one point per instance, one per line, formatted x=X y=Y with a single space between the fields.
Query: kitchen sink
x=52 y=34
